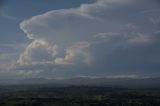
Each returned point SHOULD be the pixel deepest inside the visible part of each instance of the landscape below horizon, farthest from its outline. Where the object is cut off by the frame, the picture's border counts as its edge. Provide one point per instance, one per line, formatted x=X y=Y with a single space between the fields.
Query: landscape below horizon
x=52 y=95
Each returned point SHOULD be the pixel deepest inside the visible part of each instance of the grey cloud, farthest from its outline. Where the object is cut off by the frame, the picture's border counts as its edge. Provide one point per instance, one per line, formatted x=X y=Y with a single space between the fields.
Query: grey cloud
x=92 y=37
x=6 y=61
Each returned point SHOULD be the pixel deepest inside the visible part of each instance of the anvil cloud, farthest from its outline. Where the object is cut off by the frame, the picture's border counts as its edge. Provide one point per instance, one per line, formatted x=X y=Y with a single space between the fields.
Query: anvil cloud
x=105 y=37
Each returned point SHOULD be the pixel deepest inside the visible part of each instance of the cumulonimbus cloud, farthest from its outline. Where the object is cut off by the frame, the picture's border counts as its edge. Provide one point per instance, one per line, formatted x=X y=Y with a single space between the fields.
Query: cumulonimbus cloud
x=67 y=36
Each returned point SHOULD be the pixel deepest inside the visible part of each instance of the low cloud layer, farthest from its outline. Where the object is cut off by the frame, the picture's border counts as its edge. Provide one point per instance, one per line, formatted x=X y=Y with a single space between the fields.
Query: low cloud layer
x=93 y=39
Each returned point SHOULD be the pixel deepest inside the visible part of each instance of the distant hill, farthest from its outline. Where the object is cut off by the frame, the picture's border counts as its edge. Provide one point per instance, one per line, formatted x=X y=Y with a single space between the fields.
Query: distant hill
x=111 y=82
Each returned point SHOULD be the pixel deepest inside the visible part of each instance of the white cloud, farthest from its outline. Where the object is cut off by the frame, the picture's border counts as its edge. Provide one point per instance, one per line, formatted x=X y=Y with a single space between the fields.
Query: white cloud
x=140 y=38
x=28 y=73
x=107 y=36
x=5 y=14
x=130 y=76
x=99 y=6
x=37 y=51
x=76 y=52
x=69 y=36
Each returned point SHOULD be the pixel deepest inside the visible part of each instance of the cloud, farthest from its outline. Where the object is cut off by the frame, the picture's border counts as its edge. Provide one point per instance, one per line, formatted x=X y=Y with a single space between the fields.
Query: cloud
x=38 y=50
x=28 y=73
x=155 y=20
x=5 y=14
x=130 y=76
x=77 y=36
x=6 y=61
x=76 y=52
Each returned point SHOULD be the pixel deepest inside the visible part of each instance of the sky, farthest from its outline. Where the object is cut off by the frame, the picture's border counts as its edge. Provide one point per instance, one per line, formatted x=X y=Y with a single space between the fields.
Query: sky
x=70 y=38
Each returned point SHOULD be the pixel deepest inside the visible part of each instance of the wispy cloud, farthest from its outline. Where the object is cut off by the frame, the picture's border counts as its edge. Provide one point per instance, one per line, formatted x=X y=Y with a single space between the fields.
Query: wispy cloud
x=5 y=14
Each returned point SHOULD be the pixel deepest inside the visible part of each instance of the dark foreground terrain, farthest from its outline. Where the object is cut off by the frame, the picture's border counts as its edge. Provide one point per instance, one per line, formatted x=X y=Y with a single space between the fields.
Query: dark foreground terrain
x=47 y=95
